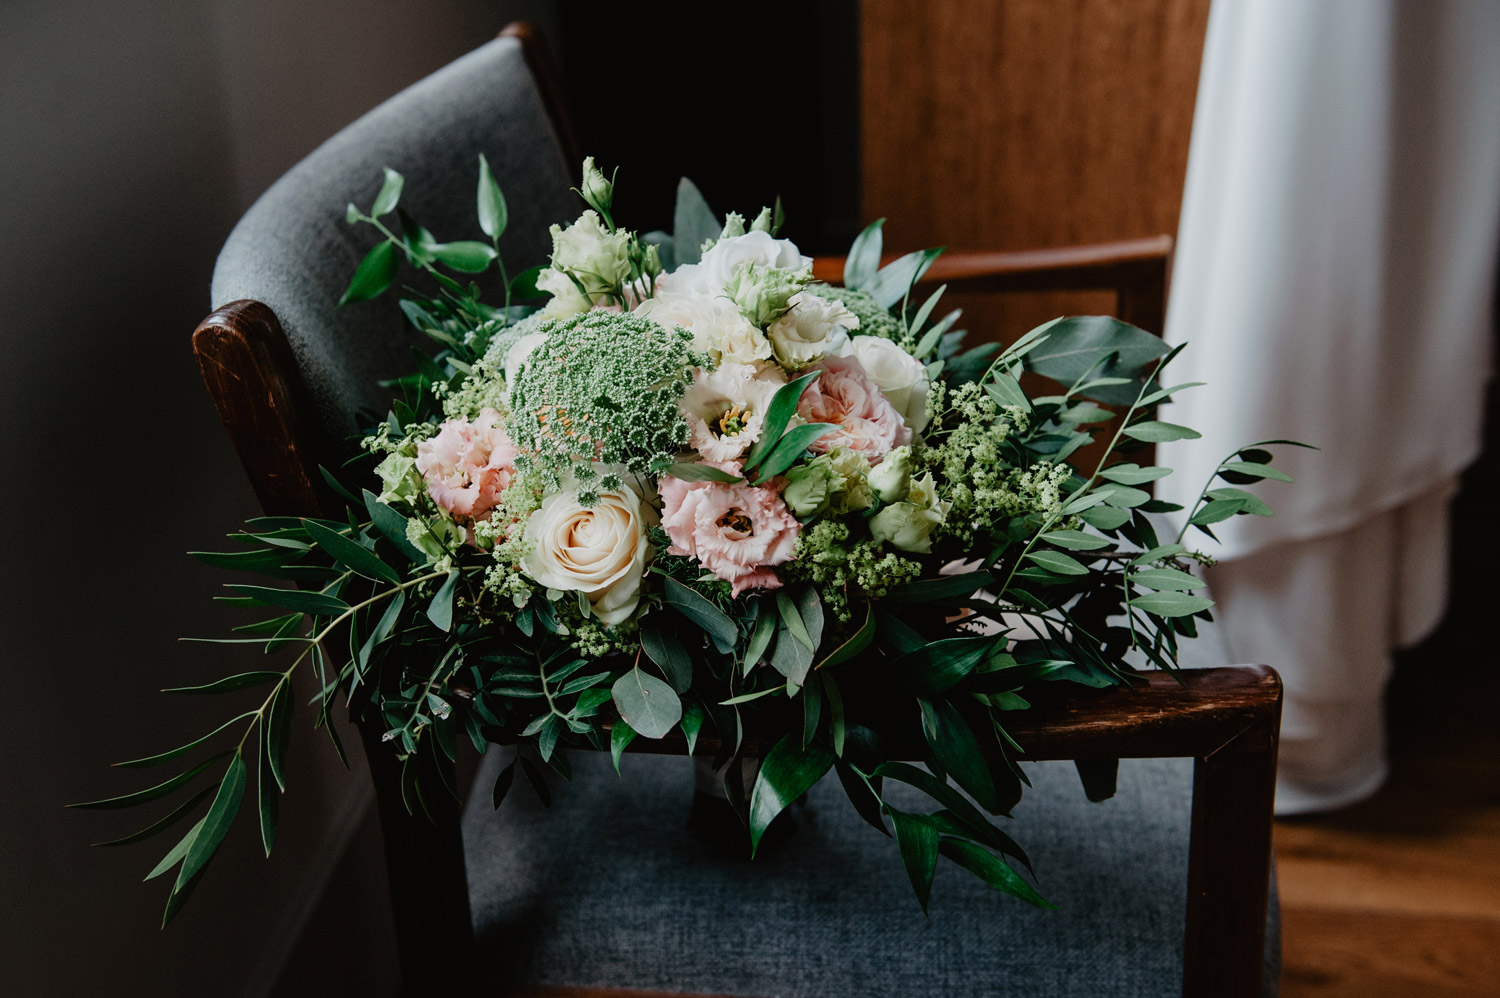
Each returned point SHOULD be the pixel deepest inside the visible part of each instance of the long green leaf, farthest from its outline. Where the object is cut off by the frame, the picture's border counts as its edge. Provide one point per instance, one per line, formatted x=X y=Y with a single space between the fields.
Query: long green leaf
x=493 y=214
x=953 y=743
x=373 y=275
x=935 y=667
x=175 y=854
x=943 y=587
x=1096 y=346
x=992 y=870
x=301 y=600
x=782 y=408
x=151 y=793
x=896 y=278
x=278 y=731
x=917 y=837
x=1056 y=561
x=666 y=651
x=787 y=772
x=1171 y=604
x=440 y=610
x=392 y=524
x=864 y=256
x=855 y=643
x=215 y=826
x=1154 y=431
x=693 y=223
x=1166 y=579
x=267 y=795
x=696 y=607
x=390 y=193
x=161 y=757
x=350 y=553
x=229 y=684
x=162 y=824
x=619 y=739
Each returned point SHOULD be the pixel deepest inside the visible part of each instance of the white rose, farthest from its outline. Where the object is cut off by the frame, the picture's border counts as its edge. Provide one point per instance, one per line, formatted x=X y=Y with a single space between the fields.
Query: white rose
x=812 y=329
x=898 y=375
x=718 y=327
x=600 y=551
x=709 y=275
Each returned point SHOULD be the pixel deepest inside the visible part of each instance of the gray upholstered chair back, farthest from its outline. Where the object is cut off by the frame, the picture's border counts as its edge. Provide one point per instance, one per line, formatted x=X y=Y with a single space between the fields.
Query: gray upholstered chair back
x=294 y=251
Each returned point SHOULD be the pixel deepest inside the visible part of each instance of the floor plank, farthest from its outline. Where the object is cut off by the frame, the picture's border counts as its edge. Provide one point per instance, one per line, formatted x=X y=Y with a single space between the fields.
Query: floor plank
x=1339 y=954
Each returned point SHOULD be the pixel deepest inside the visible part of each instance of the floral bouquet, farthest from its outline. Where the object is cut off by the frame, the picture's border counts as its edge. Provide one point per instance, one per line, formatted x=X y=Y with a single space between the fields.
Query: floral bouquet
x=673 y=484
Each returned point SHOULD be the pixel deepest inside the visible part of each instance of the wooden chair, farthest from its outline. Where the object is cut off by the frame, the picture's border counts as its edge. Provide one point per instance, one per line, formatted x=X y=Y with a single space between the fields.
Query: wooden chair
x=286 y=400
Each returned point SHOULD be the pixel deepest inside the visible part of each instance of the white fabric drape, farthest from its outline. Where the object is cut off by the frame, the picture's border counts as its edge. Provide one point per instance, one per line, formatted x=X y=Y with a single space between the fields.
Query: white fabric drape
x=1335 y=279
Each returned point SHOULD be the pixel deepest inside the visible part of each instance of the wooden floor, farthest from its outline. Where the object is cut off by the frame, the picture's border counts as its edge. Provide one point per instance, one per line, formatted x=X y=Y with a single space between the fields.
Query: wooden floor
x=1400 y=895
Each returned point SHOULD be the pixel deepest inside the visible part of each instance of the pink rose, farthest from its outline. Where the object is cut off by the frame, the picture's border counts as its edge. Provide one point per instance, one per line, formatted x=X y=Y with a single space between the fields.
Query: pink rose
x=467 y=465
x=869 y=424
x=736 y=531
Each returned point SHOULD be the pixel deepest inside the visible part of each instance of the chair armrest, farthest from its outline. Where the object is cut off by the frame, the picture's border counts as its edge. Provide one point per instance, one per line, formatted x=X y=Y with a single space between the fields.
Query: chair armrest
x=1136 y=269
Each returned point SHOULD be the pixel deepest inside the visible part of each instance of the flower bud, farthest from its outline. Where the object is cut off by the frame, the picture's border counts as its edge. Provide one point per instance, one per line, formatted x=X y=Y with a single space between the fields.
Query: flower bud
x=734 y=225
x=811 y=487
x=596 y=190
x=762 y=221
x=909 y=525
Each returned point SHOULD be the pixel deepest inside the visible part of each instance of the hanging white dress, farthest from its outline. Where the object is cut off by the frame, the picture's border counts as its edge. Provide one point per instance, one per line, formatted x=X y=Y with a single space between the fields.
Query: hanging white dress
x=1335 y=279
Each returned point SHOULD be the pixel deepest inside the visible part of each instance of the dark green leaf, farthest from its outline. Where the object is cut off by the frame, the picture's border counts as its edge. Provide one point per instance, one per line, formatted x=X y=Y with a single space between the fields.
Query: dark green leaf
x=782 y=408
x=1166 y=579
x=856 y=642
x=943 y=587
x=790 y=656
x=1133 y=474
x=1056 y=561
x=896 y=278
x=466 y=256
x=696 y=607
x=392 y=524
x=215 y=826
x=953 y=743
x=167 y=821
x=789 y=448
x=760 y=638
x=390 y=193
x=865 y=802
x=350 y=553
x=373 y=275
x=278 y=728
x=1216 y=510
x=1104 y=517
x=268 y=798
x=1076 y=540
x=937 y=666
x=622 y=735
x=647 y=704
x=440 y=610
x=523 y=285
x=864 y=256
x=493 y=215
x=1078 y=347
x=787 y=772
x=918 y=838
x=1124 y=497
x=691 y=724
x=229 y=683
x=1155 y=431
x=1252 y=504
x=1158 y=553
x=158 y=759
x=700 y=473
x=992 y=870
x=175 y=854
x=301 y=600
x=1171 y=604
x=1006 y=390
x=1254 y=469
x=667 y=652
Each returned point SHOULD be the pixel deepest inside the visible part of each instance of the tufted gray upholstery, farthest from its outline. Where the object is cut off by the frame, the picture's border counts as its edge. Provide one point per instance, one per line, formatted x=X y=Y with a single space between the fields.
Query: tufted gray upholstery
x=294 y=252
x=609 y=889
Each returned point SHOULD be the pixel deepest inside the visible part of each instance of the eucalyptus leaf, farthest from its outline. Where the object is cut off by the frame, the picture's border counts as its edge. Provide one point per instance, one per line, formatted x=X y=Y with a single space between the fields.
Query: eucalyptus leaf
x=693 y=223
x=1079 y=346
x=896 y=278
x=1076 y=540
x=666 y=651
x=647 y=704
x=696 y=607
x=221 y=812
x=864 y=256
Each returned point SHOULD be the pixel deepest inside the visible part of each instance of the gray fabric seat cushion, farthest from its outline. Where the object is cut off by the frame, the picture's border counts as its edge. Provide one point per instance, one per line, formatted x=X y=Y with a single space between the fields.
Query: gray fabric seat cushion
x=609 y=888
x=294 y=251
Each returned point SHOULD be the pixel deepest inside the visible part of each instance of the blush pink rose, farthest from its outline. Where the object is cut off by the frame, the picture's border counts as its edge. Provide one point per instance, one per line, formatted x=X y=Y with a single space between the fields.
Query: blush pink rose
x=736 y=530
x=467 y=465
x=868 y=424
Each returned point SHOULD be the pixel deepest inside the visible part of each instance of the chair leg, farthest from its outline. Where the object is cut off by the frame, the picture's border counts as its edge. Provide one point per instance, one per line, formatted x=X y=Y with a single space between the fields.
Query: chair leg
x=1229 y=864
x=425 y=862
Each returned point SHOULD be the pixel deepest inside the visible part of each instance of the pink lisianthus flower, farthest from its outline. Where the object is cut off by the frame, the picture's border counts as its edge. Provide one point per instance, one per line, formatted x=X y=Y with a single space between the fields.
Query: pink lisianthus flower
x=467 y=465
x=736 y=530
x=868 y=424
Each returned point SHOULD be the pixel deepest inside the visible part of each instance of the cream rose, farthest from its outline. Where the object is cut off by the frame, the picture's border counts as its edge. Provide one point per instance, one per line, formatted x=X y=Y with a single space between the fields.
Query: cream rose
x=813 y=328
x=898 y=375
x=600 y=551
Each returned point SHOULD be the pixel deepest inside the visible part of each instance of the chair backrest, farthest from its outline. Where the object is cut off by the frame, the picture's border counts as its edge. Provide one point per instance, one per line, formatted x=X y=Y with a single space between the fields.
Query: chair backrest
x=294 y=252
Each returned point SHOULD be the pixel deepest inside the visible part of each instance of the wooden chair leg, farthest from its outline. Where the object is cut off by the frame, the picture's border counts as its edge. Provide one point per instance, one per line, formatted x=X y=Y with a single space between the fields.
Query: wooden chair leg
x=1229 y=863
x=425 y=861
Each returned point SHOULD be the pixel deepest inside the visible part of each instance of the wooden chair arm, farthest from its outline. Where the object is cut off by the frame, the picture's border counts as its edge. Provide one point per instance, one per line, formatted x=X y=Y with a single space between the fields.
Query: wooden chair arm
x=1135 y=269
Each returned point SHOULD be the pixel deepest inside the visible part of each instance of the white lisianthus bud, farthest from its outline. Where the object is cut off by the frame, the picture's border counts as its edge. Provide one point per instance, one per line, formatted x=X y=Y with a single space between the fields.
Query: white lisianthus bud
x=734 y=225
x=891 y=478
x=600 y=259
x=596 y=189
x=567 y=300
x=398 y=473
x=812 y=329
x=901 y=378
x=909 y=525
x=762 y=221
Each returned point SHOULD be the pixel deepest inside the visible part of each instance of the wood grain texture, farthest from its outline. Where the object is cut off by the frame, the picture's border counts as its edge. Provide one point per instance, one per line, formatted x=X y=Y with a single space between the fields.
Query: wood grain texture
x=1026 y=124
x=1339 y=954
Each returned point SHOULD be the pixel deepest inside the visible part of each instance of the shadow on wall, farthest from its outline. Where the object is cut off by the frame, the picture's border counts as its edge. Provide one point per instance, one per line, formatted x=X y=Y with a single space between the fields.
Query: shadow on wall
x=135 y=135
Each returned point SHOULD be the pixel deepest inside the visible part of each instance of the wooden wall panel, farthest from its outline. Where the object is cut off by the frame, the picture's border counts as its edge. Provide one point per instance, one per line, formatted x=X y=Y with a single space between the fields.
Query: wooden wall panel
x=1015 y=124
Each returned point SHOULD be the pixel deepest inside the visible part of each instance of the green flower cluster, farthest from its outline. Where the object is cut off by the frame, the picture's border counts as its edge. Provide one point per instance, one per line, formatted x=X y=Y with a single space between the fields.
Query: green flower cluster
x=873 y=320
x=984 y=489
x=482 y=389
x=604 y=386
x=827 y=558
